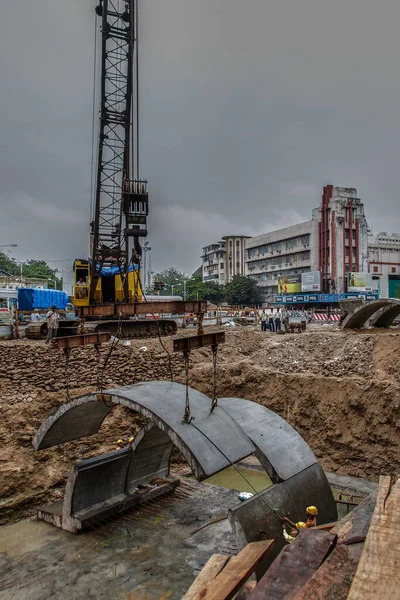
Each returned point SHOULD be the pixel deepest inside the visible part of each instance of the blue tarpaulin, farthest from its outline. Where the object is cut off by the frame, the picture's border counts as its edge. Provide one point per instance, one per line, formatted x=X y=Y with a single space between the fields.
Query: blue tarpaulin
x=114 y=270
x=31 y=298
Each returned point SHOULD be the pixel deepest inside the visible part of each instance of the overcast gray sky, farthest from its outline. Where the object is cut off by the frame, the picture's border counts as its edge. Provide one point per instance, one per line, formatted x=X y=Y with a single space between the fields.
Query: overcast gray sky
x=247 y=109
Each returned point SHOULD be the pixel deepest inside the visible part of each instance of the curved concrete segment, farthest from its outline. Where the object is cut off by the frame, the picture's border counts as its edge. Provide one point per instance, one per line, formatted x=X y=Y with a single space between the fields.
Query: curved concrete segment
x=279 y=448
x=387 y=315
x=211 y=444
x=358 y=319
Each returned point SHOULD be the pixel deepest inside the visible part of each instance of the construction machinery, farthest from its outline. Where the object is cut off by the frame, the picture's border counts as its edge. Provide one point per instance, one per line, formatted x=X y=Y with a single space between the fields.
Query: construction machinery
x=108 y=293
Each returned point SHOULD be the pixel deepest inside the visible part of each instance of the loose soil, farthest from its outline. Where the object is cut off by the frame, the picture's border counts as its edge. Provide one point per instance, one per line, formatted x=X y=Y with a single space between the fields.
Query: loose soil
x=340 y=390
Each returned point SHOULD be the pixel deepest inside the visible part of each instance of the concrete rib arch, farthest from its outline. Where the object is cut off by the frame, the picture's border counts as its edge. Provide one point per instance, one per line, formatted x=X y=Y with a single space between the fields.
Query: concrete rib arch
x=387 y=315
x=359 y=318
x=212 y=444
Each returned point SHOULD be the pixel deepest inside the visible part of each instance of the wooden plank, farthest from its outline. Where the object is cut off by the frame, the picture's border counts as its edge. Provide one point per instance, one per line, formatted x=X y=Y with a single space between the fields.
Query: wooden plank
x=378 y=571
x=214 y=566
x=333 y=579
x=236 y=572
x=326 y=527
x=294 y=566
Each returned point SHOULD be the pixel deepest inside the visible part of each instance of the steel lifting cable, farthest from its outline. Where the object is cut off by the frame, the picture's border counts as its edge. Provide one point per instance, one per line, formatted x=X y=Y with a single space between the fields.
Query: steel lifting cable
x=159 y=333
x=114 y=343
x=97 y=349
x=67 y=352
x=214 y=402
x=187 y=417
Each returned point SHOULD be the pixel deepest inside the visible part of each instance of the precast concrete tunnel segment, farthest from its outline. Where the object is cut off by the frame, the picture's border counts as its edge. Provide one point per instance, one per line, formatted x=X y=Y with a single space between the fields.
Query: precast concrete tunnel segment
x=359 y=318
x=386 y=316
x=213 y=441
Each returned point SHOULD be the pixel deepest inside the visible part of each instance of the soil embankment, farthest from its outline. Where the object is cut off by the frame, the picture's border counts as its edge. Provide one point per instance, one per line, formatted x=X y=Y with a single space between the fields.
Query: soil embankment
x=340 y=390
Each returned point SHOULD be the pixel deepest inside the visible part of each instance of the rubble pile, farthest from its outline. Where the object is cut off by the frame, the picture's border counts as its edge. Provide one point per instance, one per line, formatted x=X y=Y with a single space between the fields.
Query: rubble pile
x=31 y=365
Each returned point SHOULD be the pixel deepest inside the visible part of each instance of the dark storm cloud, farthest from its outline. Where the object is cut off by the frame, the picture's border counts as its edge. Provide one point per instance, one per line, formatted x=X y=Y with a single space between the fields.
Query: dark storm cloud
x=247 y=109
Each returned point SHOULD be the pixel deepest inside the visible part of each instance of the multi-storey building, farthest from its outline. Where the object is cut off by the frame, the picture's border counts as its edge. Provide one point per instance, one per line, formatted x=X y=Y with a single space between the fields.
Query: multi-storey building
x=224 y=259
x=342 y=237
x=334 y=243
x=384 y=263
x=281 y=253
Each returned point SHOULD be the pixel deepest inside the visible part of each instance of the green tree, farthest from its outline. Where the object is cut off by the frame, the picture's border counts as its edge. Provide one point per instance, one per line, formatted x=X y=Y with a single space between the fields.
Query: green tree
x=197 y=289
x=171 y=277
x=32 y=268
x=40 y=269
x=242 y=291
x=8 y=265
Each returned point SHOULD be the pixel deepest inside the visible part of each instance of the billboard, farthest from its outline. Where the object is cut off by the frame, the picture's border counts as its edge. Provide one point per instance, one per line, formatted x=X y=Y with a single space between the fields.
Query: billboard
x=311 y=281
x=289 y=284
x=360 y=282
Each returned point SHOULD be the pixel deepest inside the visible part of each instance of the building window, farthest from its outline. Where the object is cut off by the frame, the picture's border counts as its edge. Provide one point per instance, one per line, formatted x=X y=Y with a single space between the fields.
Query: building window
x=237 y=265
x=221 y=266
x=393 y=269
x=237 y=243
x=375 y=269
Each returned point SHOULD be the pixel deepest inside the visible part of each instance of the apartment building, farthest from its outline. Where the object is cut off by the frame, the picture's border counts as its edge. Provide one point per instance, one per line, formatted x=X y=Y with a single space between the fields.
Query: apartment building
x=223 y=260
x=282 y=253
x=384 y=263
x=333 y=242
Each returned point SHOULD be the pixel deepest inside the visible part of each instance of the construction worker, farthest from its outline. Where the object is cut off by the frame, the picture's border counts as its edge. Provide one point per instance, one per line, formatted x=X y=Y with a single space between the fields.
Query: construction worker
x=294 y=531
x=120 y=444
x=52 y=318
x=311 y=512
x=35 y=317
x=264 y=320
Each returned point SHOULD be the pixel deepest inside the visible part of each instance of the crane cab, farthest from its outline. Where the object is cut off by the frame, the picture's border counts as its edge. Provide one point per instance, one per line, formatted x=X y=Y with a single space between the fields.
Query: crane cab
x=109 y=287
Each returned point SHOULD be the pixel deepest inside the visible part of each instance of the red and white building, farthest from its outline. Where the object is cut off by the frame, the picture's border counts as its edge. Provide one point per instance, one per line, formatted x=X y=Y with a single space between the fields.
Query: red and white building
x=342 y=237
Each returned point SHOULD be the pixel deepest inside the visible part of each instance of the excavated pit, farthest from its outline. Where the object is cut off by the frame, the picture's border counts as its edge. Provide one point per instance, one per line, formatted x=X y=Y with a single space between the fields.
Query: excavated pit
x=340 y=390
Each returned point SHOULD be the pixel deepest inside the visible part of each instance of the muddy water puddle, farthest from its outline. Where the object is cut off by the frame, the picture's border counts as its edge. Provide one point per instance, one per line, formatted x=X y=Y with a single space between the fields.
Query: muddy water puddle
x=243 y=479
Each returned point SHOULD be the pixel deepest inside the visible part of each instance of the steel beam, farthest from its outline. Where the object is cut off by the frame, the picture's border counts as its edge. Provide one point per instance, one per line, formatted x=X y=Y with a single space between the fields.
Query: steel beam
x=84 y=339
x=142 y=308
x=199 y=341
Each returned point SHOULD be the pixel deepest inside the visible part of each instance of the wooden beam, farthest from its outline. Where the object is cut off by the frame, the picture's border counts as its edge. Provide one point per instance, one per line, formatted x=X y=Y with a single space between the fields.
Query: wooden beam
x=378 y=572
x=213 y=567
x=236 y=572
x=294 y=566
x=334 y=577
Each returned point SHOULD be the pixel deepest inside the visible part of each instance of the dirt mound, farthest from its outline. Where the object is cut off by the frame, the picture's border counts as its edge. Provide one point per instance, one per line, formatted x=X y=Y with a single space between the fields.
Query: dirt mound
x=340 y=390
